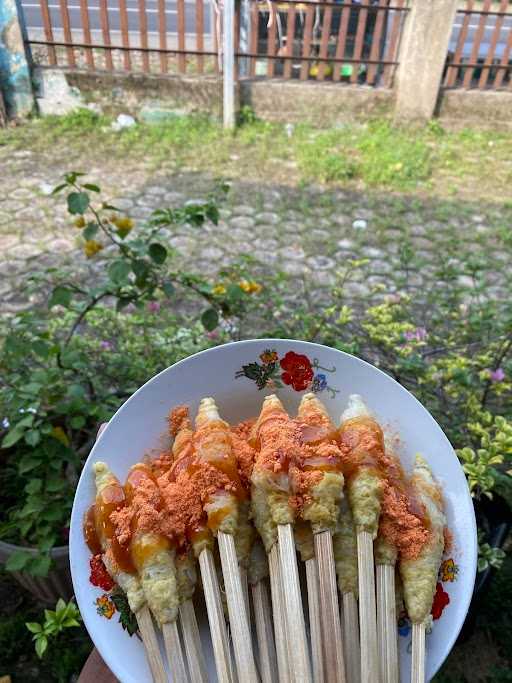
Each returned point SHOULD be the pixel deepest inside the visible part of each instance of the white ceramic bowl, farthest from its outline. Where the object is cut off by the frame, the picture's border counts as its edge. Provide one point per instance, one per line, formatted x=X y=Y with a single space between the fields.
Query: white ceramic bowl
x=139 y=426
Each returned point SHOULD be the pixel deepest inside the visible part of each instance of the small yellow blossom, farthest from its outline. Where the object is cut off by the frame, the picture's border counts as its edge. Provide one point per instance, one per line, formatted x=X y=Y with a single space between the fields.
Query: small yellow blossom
x=123 y=225
x=92 y=247
x=59 y=434
x=105 y=607
x=79 y=222
x=250 y=287
x=218 y=290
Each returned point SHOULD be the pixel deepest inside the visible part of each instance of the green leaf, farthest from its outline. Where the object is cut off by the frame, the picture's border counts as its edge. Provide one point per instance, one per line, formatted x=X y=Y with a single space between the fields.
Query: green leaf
x=78 y=202
x=41 y=646
x=32 y=437
x=60 y=605
x=60 y=296
x=40 y=565
x=18 y=561
x=25 y=422
x=34 y=627
x=210 y=319
x=109 y=207
x=55 y=483
x=12 y=437
x=91 y=187
x=70 y=621
x=90 y=231
x=59 y=188
x=34 y=486
x=158 y=253
x=41 y=348
x=140 y=268
x=77 y=422
x=118 y=271
x=28 y=462
x=168 y=289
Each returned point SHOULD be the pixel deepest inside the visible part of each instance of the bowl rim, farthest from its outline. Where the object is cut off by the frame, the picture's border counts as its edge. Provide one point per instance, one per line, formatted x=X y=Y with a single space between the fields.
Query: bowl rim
x=450 y=641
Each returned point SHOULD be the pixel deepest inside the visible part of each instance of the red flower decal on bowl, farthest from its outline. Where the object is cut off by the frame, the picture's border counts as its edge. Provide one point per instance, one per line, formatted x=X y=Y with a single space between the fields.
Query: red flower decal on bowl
x=441 y=599
x=298 y=371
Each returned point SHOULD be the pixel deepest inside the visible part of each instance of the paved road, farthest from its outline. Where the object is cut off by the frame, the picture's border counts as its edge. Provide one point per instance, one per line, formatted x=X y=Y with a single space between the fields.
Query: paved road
x=33 y=17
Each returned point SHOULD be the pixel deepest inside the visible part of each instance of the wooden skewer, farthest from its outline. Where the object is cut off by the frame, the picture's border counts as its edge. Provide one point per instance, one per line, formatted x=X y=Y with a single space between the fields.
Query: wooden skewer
x=351 y=638
x=174 y=652
x=329 y=608
x=238 y=618
x=149 y=639
x=294 y=614
x=264 y=631
x=216 y=620
x=193 y=647
x=245 y=590
x=315 y=625
x=367 y=610
x=386 y=623
x=283 y=662
x=418 y=653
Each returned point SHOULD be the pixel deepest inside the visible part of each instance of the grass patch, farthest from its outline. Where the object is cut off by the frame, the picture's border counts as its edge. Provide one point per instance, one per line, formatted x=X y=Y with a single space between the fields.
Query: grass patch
x=374 y=154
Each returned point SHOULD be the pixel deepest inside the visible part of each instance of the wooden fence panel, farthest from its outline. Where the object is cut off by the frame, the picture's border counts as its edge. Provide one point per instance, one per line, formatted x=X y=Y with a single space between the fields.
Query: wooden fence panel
x=451 y=73
x=392 y=51
x=271 y=40
x=377 y=37
x=324 y=41
x=484 y=76
x=290 y=37
x=162 y=35
x=86 y=32
x=479 y=34
x=306 y=42
x=143 y=32
x=182 y=60
x=48 y=31
x=105 y=30
x=342 y=38
x=359 y=43
x=66 y=29
x=253 y=37
x=125 y=35
x=200 y=34
x=501 y=73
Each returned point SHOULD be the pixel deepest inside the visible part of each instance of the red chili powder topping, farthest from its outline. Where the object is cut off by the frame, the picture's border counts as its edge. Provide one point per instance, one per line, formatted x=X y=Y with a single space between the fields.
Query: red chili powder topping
x=280 y=442
x=99 y=575
x=243 y=451
x=362 y=444
x=178 y=419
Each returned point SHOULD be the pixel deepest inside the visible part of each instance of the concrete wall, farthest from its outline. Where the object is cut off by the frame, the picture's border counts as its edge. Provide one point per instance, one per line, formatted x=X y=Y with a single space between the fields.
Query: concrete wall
x=476 y=108
x=321 y=104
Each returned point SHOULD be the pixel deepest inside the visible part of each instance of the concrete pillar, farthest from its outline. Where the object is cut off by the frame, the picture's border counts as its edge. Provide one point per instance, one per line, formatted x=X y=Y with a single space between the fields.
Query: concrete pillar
x=422 y=56
x=15 y=83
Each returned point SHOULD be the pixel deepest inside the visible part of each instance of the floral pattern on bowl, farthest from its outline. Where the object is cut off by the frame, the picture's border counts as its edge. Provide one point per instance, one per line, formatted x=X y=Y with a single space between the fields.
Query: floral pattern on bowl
x=293 y=369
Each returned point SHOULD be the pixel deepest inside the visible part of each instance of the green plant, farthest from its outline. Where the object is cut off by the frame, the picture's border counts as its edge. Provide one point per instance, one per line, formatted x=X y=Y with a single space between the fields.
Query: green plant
x=55 y=621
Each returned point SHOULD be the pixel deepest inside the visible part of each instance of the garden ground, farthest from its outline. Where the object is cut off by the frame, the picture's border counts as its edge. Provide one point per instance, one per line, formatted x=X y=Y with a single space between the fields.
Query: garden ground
x=410 y=202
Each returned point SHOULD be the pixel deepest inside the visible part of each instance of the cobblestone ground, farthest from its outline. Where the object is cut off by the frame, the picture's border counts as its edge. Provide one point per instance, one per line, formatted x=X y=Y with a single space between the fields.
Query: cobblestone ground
x=303 y=230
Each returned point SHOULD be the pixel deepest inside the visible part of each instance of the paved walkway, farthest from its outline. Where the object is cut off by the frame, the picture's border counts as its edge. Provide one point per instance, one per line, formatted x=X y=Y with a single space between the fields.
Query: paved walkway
x=304 y=231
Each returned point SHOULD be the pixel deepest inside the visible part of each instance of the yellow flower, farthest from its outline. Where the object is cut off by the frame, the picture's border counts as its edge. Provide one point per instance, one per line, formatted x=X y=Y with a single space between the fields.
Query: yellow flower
x=123 y=225
x=79 y=222
x=218 y=290
x=92 y=247
x=449 y=570
x=250 y=287
x=59 y=434
x=105 y=607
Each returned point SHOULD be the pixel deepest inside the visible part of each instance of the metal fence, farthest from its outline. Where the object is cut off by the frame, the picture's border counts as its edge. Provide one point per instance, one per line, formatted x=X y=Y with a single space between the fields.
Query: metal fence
x=351 y=41
x=480 y=50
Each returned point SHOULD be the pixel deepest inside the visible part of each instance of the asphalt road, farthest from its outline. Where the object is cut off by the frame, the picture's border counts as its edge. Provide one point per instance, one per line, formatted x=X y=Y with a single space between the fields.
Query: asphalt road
x=33 y=17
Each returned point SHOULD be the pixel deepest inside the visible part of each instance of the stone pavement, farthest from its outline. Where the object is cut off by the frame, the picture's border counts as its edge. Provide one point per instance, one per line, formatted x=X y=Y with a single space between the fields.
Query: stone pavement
x=304 y=231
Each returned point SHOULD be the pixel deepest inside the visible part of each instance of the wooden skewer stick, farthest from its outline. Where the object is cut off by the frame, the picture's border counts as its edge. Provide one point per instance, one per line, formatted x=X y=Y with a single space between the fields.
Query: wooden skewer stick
x=149 y=639
x=351 y=638
x=283 y=662
x=245 y=590
x=315 y=624
x=367 y=610
x=329 y=608
x=264 y=631
x=174 y=653
x=387 y=635
x=238 y=617
x=418 y=653
x=216 y=620
x=193 y=647
x=294 y=613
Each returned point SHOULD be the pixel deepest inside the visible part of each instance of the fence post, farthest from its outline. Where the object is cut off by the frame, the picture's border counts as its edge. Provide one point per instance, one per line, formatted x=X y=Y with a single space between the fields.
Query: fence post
x=15 y=83
x=228 y=64
x=422 y=56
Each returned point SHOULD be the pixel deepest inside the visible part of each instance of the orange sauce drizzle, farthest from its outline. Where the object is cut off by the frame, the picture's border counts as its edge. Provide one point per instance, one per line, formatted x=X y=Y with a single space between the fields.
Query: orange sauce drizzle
x=112 y=498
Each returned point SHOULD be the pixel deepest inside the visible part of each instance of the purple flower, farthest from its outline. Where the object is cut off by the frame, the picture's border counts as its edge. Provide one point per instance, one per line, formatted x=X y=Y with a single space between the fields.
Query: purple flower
x=153 y=306
x=419 y=334
x=319 y=383
x=106 y=345
x=497 y=375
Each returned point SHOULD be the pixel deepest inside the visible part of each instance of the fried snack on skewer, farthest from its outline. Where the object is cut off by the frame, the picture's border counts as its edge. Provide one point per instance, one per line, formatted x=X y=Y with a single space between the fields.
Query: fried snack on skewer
x=362 y=441
x=153 y=554
x=213 y=445
x=278 y=445
x=110 y=497
x=175 y=480
x=321 y=485
x=345 y=557
x=419 y=575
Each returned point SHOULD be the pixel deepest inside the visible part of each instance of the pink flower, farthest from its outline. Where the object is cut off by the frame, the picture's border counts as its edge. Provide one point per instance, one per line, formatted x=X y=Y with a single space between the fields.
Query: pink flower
x=106 y=345
x=212 y=335
x=419 y=334
x=153 y=306
x=497 y=375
